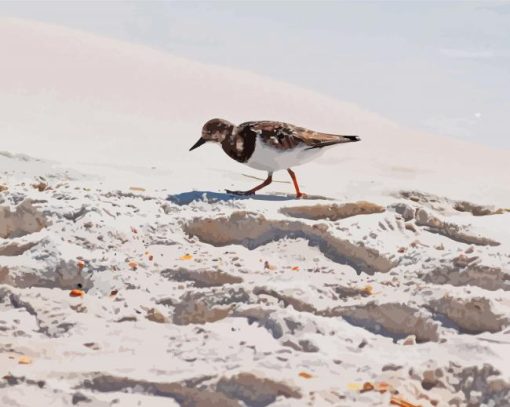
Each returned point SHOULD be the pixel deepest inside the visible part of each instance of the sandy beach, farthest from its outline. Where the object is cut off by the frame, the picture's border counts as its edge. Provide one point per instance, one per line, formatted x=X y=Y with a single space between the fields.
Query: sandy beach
x=129 y=277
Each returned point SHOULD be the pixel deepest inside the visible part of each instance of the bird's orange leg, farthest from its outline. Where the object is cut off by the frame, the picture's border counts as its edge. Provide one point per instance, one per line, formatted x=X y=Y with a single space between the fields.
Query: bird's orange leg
x=252 y=191
x=299 y=194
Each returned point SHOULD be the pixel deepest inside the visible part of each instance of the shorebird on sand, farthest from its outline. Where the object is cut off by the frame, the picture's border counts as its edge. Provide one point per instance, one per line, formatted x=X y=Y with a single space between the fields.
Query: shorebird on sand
x=269 y=146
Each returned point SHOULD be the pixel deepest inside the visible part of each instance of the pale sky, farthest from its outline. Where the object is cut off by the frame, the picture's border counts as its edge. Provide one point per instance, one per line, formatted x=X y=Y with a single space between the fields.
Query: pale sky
x=437 y=66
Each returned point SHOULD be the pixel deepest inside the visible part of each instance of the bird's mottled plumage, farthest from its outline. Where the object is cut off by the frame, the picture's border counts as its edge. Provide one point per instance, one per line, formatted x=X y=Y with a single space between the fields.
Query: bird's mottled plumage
x=269 y=145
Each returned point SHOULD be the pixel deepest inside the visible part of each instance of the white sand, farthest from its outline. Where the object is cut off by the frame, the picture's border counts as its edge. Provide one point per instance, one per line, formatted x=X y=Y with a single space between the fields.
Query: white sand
x=346 y=283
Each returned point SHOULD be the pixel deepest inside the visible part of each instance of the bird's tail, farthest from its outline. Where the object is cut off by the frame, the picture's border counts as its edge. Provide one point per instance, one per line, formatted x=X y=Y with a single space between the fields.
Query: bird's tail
x=338 y=139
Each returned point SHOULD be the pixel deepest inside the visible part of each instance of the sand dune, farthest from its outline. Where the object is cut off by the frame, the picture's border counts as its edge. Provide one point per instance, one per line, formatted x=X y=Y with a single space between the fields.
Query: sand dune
x=79 y=98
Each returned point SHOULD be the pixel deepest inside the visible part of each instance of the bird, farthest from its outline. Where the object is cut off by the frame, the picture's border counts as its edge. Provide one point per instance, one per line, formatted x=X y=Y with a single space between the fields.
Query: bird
x=269 y=146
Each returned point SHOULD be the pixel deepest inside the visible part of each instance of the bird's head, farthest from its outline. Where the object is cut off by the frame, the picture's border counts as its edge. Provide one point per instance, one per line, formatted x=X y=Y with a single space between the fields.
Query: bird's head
x=215 y=130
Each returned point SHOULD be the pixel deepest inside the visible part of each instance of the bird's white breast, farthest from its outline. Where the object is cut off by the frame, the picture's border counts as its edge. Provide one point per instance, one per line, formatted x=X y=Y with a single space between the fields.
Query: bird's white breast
x=268 y=158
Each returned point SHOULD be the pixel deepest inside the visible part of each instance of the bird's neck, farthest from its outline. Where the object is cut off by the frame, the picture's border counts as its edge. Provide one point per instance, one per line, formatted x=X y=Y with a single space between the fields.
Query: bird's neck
x=238 y=147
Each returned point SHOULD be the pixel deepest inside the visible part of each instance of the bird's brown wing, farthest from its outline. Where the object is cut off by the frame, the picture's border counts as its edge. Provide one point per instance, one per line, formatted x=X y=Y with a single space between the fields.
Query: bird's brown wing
x=285 y=136
x=315 y=139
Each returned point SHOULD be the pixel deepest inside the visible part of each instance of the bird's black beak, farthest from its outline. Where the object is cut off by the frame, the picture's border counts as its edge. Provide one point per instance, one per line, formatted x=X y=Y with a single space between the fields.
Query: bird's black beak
x=198 y=143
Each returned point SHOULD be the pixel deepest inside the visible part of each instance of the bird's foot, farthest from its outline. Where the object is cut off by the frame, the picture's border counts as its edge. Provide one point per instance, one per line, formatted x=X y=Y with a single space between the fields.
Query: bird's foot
x=240 y=193
x=301 y=195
